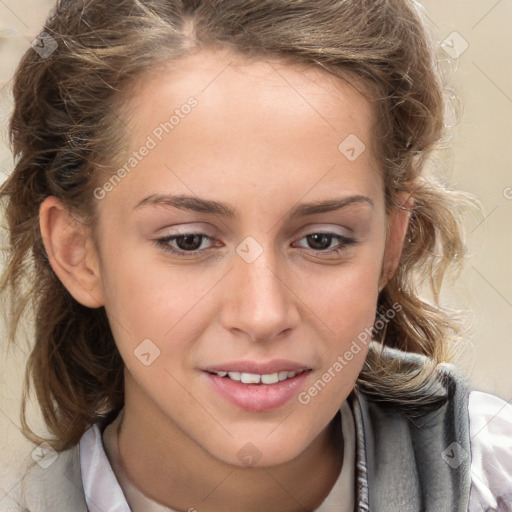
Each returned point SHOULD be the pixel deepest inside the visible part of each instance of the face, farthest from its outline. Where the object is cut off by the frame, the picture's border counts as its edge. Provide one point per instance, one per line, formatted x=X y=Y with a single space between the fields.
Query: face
x=245 y=244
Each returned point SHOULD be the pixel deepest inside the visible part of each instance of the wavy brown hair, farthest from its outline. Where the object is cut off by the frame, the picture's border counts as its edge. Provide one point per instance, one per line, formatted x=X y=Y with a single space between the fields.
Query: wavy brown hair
x=64 y=130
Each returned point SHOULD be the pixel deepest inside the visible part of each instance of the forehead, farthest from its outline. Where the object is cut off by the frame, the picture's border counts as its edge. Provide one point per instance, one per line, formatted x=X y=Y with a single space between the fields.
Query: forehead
x=254 y=122
x=224 y=82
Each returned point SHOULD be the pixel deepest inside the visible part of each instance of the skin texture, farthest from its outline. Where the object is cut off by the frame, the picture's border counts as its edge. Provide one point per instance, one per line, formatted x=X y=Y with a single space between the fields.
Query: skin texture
x=263 y=137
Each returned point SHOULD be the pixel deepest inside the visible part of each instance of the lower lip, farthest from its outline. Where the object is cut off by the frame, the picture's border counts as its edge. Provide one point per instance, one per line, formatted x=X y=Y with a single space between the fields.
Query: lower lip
x=257 y=397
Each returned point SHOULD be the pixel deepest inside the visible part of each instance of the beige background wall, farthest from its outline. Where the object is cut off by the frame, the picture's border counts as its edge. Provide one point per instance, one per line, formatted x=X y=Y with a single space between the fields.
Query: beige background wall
x=480 y=56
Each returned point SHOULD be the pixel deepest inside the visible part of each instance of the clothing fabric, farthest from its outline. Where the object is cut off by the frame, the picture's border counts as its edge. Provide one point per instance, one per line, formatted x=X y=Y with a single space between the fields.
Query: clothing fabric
x=491 y=453
x=455 y=457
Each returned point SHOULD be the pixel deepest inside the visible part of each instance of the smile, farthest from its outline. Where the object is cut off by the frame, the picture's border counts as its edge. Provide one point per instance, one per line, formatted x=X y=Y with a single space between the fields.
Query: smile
x=257 y=387
x=256 y=378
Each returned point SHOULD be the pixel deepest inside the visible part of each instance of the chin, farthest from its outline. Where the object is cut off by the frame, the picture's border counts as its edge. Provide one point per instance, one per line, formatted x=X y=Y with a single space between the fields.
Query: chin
x=260 y=453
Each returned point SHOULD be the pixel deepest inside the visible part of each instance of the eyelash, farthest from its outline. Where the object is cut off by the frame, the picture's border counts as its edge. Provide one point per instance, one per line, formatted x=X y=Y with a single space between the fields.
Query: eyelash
x=163 y=243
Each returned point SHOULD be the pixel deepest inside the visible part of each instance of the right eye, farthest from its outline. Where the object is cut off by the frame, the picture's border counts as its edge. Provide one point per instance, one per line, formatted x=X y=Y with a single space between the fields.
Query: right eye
x=184 y=244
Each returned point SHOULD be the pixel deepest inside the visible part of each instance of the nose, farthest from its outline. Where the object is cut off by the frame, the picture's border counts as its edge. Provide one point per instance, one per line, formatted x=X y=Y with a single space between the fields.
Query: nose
x=260 y=302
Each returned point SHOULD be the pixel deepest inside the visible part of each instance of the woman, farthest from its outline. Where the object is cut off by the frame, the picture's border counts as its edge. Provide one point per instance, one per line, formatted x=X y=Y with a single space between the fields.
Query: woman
x=224 y=209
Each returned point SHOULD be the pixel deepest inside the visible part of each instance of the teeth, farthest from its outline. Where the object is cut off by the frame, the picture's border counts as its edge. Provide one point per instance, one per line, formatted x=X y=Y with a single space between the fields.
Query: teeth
x=270 y=378
x=283 y=375
x=250 y=378
x=254 y=378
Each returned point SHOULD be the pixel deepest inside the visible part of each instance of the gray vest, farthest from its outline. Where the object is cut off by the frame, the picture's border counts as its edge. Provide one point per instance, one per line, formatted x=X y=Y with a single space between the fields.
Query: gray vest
x=404 y=463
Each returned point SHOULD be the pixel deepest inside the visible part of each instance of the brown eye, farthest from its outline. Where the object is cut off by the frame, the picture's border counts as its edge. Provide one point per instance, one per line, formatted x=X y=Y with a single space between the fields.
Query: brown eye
x=319 y=241
x=189 y=242
x=322 y=242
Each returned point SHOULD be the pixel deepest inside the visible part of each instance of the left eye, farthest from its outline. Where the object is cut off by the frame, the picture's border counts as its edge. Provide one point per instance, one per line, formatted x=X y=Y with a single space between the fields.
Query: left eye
x=322 y=241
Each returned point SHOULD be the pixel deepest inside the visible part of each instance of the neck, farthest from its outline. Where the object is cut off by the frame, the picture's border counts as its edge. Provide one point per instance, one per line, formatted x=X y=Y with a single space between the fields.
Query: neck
x=170 y=468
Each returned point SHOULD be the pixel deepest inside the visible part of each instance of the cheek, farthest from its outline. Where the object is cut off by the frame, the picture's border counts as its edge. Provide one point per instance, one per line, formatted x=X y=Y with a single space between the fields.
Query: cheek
x=349 y=312
x=139 y=289
x=347 y=307
x=344 y=299
x=344 y=304
x=149 y=300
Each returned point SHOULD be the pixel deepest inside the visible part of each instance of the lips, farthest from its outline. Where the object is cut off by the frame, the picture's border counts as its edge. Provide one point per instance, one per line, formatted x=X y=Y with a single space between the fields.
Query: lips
x=249 y=372
x=257 y=387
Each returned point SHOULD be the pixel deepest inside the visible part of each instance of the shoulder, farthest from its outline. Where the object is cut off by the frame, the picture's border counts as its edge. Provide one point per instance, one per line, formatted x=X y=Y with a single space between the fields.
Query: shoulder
x=490 y=425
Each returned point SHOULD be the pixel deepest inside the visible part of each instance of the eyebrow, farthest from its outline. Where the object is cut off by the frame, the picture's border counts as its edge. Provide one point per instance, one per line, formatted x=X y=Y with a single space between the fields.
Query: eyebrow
x=200 y=205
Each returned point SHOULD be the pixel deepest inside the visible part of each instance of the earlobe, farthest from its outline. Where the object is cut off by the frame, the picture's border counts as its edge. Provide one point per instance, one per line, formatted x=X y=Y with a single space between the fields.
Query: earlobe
x=398 y=224
x=71 y=252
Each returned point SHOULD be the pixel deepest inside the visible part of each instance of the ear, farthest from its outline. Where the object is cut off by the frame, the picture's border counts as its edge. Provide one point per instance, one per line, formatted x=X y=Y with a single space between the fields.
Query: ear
x=397 y=228
x=71 y=252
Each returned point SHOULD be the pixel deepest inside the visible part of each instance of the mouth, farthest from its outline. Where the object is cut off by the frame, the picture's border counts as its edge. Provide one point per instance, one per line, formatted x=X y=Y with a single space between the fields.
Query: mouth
x=257 y=387
x=257 y=378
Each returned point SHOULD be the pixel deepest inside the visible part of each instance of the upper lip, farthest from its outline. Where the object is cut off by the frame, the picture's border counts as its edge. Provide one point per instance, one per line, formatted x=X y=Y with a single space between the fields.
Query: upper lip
x=277 y=365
